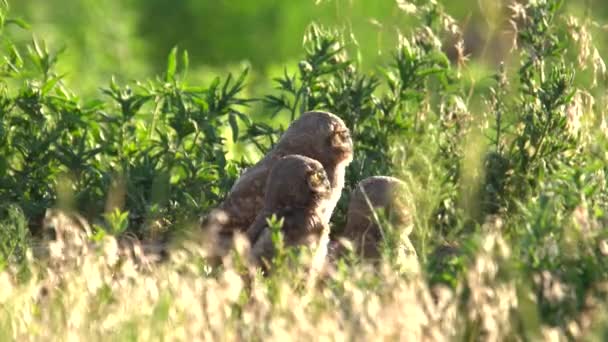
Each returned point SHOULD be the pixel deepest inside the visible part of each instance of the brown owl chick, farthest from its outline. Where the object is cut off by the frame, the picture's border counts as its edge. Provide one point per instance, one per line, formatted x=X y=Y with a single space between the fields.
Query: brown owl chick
x=362 y=229
x=318 y=135
x=298 y=191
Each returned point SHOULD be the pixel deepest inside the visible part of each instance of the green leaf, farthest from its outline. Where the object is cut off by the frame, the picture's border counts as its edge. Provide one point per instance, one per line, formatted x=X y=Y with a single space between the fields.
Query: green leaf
x=50 y=84
x=185 y=63
x=40 y=51
x=172 y=64
x=234 y=125
x=18 y=22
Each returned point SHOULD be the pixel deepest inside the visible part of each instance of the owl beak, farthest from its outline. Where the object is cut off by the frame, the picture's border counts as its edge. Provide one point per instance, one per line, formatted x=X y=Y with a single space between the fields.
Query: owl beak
x=327 y=185
x=343 y=142
x=348 y=152
x=349 y=143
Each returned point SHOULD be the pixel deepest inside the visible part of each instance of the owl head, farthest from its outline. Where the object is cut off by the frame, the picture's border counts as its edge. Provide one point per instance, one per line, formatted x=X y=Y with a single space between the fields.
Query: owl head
x=372 y=195
x=296 y=181
x=322 y=136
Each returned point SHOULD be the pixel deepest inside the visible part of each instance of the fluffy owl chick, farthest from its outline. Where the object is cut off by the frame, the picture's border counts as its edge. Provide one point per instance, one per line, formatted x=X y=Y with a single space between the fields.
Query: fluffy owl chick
x=318 y=135
x=298 y=191
x=370 y=195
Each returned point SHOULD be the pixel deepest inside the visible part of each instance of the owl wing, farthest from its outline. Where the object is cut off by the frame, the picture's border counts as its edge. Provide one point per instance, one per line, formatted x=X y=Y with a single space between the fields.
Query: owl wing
x=293 y=220
x=246 y=199
x=257 y=227
x=263 y=250
x=260 y=235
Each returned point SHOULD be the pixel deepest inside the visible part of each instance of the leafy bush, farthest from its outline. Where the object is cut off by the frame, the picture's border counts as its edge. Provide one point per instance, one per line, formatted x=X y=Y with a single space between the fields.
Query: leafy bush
x=14 y=238
x=155 y=149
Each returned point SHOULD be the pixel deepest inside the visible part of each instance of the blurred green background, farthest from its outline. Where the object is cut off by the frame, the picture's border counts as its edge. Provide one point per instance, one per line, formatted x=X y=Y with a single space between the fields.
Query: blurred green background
x=132 y=38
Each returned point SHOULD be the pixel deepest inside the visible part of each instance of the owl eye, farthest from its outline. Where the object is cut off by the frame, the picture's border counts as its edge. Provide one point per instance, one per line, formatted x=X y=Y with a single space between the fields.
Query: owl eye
x=340 y=138
x=317 y=180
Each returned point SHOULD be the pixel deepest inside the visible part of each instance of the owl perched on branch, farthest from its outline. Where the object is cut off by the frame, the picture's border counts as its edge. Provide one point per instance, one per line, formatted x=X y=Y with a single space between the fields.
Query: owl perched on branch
x=298 y=191
x=371 y=197
x=321 y=136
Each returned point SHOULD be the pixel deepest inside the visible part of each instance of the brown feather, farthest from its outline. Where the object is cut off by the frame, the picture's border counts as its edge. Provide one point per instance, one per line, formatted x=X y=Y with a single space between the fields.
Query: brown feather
x=312 y=135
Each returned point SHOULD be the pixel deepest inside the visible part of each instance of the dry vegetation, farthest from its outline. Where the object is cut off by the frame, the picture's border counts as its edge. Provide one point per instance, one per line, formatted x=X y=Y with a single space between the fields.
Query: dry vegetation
x=97 y=291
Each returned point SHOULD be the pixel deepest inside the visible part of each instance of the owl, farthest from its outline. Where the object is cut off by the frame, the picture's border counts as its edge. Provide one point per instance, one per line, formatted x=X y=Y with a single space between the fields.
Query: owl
x=321 y=136
x=372 y=195
x=298 y=191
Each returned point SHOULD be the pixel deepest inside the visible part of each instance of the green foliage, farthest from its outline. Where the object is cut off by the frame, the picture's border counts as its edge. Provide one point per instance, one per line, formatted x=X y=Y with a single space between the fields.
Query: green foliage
x=275 y=225
x=14 y=237
x=541 y=135
x=117 y=221
x=153 y=148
